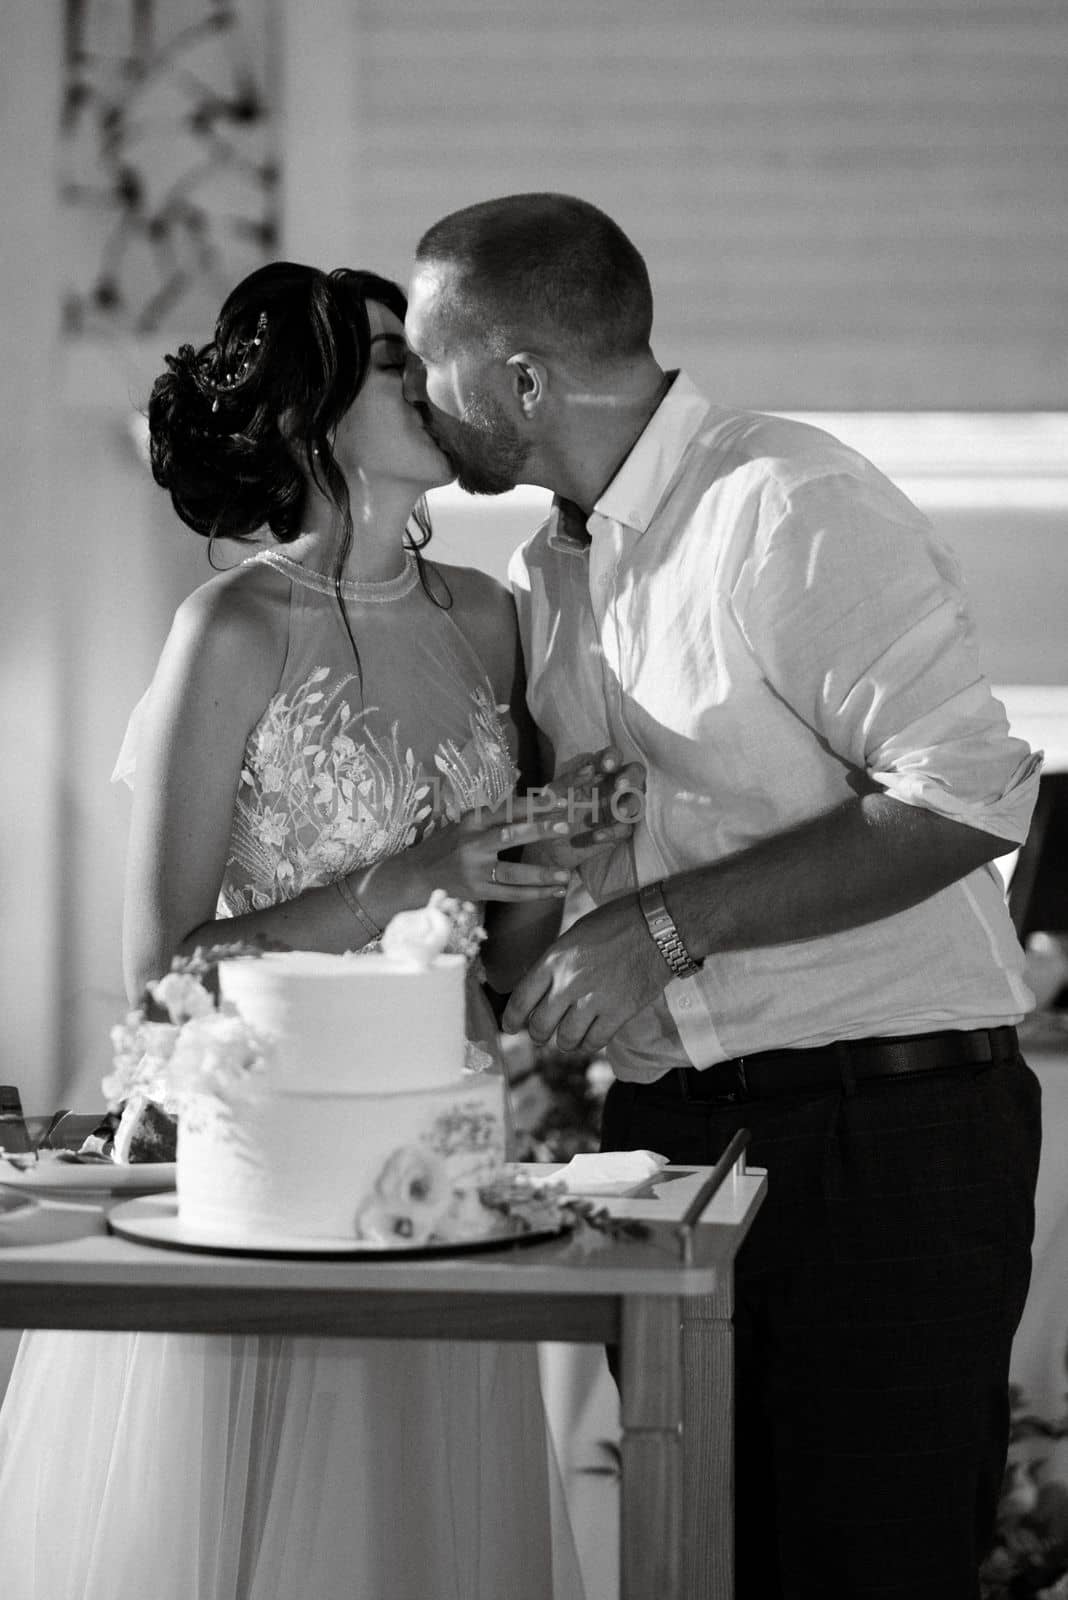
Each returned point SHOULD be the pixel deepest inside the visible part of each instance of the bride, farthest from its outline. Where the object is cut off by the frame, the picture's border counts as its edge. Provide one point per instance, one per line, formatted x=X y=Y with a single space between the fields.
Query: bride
x=327 y=732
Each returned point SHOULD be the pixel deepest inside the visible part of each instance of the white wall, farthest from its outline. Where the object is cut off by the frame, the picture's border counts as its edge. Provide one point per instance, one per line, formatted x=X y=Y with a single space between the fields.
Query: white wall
x=33 y=446
x=845 y=204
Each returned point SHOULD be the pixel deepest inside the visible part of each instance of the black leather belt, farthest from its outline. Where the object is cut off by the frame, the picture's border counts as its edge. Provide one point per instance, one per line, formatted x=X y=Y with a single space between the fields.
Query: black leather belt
x=778 y=1072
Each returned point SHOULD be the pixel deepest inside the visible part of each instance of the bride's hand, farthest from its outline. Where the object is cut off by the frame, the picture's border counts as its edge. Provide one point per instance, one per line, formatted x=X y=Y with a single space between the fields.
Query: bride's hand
x=464 y=859
x=603 y=799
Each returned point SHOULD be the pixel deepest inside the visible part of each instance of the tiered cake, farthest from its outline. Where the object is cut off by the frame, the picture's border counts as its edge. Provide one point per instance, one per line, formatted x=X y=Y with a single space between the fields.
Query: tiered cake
x=362 y=1124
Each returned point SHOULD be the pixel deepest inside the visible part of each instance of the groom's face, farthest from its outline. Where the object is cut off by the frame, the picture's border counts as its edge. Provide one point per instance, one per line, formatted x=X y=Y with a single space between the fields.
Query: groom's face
x=461 y=392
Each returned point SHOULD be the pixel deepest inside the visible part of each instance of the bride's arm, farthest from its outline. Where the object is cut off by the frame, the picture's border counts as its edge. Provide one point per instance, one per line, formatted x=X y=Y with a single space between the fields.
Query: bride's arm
x=219 y=667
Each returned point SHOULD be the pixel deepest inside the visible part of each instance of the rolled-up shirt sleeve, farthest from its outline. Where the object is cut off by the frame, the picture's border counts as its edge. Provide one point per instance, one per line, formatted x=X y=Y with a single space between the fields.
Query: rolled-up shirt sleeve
x=857 y=617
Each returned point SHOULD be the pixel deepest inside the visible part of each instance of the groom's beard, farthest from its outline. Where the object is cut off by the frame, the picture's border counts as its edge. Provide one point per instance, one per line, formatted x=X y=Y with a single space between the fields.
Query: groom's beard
x=483 y=447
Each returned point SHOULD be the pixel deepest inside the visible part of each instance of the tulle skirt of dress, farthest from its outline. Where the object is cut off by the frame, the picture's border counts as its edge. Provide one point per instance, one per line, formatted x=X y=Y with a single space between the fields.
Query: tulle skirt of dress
x=181 y=1467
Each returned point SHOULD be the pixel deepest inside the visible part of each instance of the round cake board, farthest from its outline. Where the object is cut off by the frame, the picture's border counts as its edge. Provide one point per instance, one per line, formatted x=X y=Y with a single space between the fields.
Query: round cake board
x=154 y=1220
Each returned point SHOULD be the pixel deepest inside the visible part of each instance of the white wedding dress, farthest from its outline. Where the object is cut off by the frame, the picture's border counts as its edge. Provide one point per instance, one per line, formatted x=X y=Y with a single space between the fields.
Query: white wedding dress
x=182 y=1467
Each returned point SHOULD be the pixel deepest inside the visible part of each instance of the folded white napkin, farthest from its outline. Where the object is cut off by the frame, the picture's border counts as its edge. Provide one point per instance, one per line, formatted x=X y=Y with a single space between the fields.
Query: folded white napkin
x=612 y=1173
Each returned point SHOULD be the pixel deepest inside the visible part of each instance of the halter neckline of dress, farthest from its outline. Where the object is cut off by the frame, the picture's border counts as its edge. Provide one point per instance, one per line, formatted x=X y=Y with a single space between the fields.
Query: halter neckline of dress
x=352 y=588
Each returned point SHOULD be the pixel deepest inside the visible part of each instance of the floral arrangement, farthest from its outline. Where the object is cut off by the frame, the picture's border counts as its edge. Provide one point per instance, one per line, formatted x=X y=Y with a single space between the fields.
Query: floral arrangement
x=557 y=1099
x=1029 y=1558
x=430 y=1189
x=182 y=1040
x=444 y=925
x=449 y=1187
x=534 y=1207
x=411 y=1198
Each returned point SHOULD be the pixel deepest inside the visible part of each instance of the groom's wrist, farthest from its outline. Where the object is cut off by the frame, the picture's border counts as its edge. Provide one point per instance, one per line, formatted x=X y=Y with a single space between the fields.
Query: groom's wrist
x=664 y=932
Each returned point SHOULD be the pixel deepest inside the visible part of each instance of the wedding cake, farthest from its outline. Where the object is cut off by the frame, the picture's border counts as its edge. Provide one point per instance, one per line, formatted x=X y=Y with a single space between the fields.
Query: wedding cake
x=360 y=1118
x=315 y=1097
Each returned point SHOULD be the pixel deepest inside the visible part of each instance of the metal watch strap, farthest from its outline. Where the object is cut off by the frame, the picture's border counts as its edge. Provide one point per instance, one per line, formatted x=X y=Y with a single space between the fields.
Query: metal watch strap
x=666 y=936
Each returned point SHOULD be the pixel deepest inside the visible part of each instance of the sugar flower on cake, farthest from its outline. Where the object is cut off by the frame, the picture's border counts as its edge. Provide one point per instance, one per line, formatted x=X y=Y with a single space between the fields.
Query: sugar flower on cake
x=411 y=1195
x=176 y=1043
x=444 y=926
x=416 y=937
x=142 y=1053
x=182 y=995
x=217 y=1053
x=467 y=1216
x=466 y=933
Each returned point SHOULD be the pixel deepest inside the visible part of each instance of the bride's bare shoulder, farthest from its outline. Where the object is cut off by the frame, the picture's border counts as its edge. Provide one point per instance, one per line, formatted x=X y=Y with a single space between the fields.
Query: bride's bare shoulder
x=233 y=628
x=248 y=594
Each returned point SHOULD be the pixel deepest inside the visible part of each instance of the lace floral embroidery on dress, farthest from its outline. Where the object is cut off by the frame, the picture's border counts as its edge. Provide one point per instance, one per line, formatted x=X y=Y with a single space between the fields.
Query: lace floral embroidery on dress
x=321 y=794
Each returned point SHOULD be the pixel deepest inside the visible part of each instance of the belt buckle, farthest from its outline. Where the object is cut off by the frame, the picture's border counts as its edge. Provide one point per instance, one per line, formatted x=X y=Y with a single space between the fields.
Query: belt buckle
x=741 y=1082
x=739 y=1089
x=739 y=1085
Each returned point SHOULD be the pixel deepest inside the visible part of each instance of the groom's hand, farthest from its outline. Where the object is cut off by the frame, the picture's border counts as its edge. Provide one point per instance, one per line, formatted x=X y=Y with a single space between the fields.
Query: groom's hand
x=600 y=791
x=597 y=975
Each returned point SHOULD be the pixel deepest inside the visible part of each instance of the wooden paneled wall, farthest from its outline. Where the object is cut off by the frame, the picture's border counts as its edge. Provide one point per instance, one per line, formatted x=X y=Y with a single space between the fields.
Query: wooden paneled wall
x=844 y=203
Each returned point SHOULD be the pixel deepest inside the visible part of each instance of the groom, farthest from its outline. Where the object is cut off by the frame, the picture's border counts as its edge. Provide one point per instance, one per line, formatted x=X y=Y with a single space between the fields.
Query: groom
x=805 y=935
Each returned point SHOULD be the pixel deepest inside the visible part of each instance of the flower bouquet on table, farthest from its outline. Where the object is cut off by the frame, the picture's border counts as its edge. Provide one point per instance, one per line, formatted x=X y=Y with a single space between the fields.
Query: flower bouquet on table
x=182 y=1039
x=557 y=1098
x=1029 y=1556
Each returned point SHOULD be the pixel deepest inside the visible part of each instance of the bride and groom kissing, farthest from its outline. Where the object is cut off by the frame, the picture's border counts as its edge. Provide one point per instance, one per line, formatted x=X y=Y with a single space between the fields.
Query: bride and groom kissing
x=786 y=919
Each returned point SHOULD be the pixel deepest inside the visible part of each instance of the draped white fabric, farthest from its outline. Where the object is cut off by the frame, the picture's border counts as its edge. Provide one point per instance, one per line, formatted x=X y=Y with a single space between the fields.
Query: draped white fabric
x=180 y=1467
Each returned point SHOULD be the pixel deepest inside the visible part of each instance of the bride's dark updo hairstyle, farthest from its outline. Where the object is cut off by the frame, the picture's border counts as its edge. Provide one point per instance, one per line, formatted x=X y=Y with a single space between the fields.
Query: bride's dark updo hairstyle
x=292 y=348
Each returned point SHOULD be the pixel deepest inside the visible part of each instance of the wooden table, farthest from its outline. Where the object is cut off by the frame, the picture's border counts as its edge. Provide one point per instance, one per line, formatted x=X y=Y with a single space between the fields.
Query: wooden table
x=59 y=1268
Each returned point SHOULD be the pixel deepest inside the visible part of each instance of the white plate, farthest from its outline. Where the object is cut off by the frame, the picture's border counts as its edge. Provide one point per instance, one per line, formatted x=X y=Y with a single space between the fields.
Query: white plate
x=47 y=1176
x=154 y=1220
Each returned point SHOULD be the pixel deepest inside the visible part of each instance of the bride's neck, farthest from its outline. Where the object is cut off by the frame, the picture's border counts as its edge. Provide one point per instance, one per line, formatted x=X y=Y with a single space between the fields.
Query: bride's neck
x=378 y=524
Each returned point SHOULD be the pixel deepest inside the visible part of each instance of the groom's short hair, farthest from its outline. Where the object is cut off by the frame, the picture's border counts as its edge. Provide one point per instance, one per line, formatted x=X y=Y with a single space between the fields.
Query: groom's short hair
x=549 y=266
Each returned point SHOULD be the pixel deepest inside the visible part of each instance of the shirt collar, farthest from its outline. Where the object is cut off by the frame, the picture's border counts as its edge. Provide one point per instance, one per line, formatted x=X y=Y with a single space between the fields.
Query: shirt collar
x=639 y=486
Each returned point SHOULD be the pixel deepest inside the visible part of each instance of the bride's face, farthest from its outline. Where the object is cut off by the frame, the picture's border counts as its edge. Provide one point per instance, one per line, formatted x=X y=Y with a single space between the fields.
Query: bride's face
x=381 y=436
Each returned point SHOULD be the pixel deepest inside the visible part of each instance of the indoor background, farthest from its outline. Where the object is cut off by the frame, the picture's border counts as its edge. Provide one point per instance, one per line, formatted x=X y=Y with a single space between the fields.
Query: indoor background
x=853 y=210
x=850 y=209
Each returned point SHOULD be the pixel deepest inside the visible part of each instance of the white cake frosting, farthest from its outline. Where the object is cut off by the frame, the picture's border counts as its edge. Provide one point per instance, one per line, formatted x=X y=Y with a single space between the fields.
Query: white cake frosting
x=362 y=1124
x=345 y=1023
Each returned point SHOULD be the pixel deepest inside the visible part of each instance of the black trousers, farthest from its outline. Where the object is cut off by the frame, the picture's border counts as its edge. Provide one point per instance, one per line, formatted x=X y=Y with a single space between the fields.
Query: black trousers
x=877 y=1297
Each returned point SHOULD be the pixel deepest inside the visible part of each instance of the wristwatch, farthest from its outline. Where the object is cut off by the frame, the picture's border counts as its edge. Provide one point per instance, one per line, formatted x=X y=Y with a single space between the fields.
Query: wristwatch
x=666 y=936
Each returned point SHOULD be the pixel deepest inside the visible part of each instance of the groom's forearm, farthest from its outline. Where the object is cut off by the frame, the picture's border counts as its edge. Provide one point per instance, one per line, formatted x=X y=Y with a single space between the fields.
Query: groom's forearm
x=866 y=860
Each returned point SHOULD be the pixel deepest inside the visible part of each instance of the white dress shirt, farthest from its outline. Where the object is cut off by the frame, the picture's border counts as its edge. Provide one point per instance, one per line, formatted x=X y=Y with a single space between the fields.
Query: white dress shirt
x=761 y=618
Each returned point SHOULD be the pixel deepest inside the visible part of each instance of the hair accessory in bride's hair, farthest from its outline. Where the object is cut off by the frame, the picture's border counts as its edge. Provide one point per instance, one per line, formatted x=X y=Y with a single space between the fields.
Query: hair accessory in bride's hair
x=243 y=352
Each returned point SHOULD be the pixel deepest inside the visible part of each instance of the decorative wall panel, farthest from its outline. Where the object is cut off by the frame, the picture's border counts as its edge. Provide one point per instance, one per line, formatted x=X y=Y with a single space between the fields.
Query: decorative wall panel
x=169 y=158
